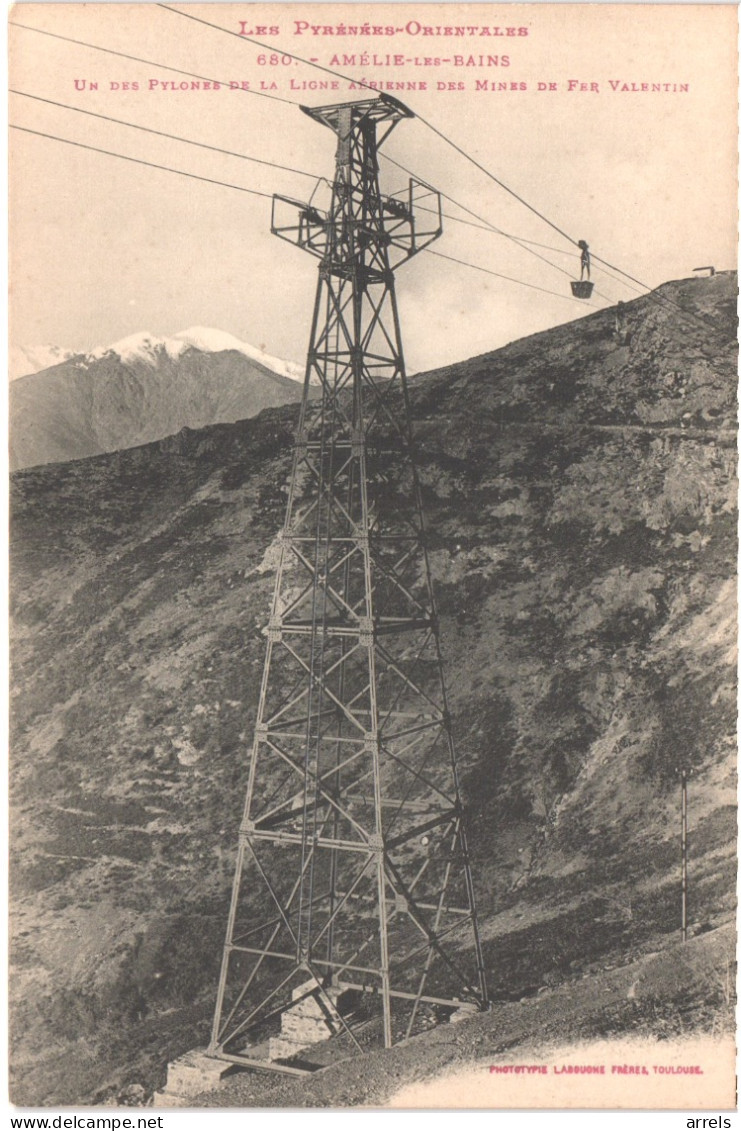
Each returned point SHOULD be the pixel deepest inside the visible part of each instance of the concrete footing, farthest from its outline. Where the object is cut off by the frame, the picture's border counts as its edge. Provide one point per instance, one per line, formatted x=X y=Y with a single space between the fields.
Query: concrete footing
x=190 y=1074
x=312 y=1019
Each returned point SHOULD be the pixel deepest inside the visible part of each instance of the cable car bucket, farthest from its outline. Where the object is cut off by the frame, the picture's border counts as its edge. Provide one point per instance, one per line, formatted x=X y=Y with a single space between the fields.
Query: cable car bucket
x=582 y=288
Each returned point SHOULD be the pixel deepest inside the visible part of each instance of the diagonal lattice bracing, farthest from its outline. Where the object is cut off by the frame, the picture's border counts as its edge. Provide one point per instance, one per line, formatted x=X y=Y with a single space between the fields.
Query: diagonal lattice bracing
x=352 y=868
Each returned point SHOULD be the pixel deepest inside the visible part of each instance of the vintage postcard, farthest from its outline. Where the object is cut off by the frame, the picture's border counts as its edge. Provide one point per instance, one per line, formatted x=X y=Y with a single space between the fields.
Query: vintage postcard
x=373 y=547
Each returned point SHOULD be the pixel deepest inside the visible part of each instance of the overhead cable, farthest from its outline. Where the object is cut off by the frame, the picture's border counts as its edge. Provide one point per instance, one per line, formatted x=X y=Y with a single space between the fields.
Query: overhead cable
x=149 y=62
x=521 y=282
x=139 y=161
x=172 y=137
x=264 y=195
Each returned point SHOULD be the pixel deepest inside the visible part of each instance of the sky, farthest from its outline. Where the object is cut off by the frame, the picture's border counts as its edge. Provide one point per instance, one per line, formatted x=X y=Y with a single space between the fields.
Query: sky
x=103 y=248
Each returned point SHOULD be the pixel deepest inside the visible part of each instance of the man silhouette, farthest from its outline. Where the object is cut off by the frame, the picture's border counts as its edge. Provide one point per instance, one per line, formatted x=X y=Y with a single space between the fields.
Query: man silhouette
x=585 y=260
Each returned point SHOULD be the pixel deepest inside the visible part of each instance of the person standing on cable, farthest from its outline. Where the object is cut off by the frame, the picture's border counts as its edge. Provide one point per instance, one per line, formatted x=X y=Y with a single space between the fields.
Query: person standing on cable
x=585 y=259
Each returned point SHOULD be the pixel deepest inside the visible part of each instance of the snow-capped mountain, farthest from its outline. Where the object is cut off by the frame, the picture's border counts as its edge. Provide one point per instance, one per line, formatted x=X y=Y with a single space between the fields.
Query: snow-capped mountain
x=31 y=359
x=139 y=389
x=146 y=347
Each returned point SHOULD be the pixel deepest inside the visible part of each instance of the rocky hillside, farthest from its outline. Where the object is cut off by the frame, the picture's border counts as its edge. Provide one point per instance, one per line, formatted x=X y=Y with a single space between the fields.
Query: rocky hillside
x=580 y=492
x=138 y=390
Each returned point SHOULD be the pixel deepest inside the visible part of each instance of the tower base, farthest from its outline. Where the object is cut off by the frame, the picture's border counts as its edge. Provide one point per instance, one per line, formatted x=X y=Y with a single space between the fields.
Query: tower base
x=192 y=1073
x=314 y=1018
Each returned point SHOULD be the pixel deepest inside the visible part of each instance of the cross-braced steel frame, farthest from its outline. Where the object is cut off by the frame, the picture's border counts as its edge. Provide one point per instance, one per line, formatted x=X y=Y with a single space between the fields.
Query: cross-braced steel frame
x=352 y=867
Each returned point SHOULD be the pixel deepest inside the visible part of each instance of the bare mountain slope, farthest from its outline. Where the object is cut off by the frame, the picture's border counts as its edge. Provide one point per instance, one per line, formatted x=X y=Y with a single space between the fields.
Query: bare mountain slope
x=137 y=391
x=580 y=494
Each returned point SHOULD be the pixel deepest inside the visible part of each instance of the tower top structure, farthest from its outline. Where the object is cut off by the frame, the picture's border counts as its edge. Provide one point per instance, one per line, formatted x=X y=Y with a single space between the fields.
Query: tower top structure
x=379 y=109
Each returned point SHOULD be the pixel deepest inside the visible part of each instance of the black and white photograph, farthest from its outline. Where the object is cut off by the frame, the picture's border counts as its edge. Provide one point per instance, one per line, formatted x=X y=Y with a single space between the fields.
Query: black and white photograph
x=373 y=540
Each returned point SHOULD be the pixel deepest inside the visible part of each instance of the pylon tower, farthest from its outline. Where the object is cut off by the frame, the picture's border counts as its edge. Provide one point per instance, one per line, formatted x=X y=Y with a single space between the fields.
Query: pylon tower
x=352 y=867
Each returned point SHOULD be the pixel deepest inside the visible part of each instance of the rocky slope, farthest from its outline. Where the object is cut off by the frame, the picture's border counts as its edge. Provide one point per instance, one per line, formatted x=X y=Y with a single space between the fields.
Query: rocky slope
x=138 y=390
x=580 y=492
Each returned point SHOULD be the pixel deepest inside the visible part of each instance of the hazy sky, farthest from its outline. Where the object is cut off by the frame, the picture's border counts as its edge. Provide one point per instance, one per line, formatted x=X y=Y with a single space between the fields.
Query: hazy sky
x=103 y=248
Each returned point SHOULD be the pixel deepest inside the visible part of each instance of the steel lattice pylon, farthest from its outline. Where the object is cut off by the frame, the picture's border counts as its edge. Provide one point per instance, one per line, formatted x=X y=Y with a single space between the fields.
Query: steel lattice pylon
x=352 y=867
